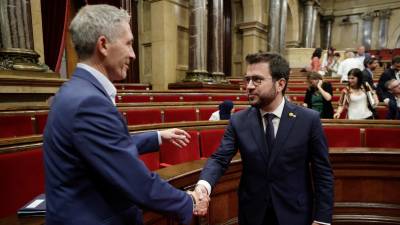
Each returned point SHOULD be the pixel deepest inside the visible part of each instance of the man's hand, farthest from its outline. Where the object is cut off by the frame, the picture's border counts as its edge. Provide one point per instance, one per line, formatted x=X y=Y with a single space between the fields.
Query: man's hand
x=204 y=200
x=178 y=137
x=201 y=201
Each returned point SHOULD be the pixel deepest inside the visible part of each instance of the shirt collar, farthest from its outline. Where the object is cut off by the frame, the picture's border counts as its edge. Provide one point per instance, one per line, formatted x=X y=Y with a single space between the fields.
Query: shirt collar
x=102 y=79
x=277 y=112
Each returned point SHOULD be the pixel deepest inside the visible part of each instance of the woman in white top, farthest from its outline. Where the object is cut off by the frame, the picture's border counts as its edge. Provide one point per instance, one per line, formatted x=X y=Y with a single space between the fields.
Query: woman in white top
x=224 y=112
x=355 y=98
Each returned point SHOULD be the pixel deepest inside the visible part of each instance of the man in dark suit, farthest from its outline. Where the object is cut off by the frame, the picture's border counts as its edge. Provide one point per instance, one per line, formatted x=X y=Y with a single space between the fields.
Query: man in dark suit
x=370 y=64
x=393 y=72
x=287 y=178
x=93 y=172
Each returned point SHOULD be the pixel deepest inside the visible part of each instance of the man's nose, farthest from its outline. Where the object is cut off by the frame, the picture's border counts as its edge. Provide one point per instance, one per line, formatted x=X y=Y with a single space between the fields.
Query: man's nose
x=250 y=85
x=132 y=54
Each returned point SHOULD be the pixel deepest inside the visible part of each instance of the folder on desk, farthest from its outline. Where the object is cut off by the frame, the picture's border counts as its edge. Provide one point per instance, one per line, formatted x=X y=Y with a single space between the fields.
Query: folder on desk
x=35 y=207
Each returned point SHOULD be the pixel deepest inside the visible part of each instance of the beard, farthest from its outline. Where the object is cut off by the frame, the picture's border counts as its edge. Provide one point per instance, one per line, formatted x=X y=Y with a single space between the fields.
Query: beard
x=260 y=101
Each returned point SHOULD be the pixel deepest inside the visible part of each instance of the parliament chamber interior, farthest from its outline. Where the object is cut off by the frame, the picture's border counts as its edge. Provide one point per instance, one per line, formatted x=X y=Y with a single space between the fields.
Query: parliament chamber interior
x=178 y=80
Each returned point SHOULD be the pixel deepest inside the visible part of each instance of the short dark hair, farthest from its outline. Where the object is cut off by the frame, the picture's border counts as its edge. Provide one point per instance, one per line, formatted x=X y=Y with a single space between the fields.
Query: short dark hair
x=314 y=76
x=369 y=60
x=357 y=73
x=278 y=65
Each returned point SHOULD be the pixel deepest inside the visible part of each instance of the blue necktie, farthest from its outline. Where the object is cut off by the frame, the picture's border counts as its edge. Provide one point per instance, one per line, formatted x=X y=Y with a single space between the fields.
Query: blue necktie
x=269 y=131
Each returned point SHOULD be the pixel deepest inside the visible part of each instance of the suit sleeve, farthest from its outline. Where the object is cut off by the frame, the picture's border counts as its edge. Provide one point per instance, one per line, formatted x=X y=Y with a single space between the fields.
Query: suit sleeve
x=146 y=142
x=322 y=174
x=105 y=145
x=219 y=161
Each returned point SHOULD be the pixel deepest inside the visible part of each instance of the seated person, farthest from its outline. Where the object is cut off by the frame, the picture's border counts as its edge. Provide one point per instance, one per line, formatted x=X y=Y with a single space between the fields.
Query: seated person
x=393 y=100
x=355 y=98
x=319 y=95
x=224 y=112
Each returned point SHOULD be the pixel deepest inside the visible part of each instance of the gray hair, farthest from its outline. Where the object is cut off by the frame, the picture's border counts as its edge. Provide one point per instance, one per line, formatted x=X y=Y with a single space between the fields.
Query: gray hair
x=93 y=21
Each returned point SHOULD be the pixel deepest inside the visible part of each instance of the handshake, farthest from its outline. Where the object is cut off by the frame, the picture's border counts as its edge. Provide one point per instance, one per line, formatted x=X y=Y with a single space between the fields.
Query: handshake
x=201 y=200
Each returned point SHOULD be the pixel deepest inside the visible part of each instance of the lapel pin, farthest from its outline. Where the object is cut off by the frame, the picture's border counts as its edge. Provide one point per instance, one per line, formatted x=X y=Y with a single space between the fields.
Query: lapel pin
x=292 y=115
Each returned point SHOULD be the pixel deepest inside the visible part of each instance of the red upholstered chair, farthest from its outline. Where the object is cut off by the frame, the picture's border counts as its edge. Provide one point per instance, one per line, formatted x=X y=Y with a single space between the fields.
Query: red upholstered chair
x=152 y=160
x=22 y=179
x=343 y=137
x=143 y=116
x=210 y=140
x=135 y=98
x=382 y=112
x=382 y=137
x=171 y=155
x=180 y=114
x=226 y=97
x=296 y=89
x=196 y=98
x=205 y=113
x=14 y=126
x=167 y=98
x=41 y=120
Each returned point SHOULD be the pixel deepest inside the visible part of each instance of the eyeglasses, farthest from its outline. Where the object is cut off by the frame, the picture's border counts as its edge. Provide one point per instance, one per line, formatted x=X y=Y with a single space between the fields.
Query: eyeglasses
x=257 y=80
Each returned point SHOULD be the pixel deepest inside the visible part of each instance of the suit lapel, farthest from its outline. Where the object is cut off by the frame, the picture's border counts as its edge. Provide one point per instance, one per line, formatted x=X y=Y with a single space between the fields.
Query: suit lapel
x=257 y=130
x=288 y=118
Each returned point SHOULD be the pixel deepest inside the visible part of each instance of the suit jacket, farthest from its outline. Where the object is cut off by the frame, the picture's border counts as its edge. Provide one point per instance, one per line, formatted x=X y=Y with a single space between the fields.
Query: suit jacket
x=367 y=77
x=393 y=112
x=93 y=173
x=279 y=178
x=387 y=75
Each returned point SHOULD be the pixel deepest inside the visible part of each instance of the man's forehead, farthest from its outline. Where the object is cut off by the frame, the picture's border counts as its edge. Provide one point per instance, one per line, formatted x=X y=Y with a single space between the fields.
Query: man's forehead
x=394 y=83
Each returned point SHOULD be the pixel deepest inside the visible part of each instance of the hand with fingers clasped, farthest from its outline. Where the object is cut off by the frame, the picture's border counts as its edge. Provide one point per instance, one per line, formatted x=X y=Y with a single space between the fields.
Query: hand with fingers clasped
x=177 y=137
x=202 y=200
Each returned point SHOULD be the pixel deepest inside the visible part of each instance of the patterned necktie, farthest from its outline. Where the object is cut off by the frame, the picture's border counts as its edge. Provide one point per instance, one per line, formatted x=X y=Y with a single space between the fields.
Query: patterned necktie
x=269 y=131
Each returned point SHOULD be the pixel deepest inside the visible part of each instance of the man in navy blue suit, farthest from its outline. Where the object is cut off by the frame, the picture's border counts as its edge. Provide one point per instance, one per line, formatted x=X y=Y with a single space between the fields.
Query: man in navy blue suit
x=286 y=178
x=93 y=171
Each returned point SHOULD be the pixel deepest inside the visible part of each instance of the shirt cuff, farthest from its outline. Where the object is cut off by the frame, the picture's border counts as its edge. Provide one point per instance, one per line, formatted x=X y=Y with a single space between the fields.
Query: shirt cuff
x=206 y=185
x=159 y=138
x=321 y=223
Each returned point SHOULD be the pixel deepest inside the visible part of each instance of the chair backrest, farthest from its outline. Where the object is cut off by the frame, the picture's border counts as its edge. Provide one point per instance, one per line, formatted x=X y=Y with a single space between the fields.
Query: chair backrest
x=205 y=113
x=180 y=114
x=21 y=177
x=343 y=137
x=142 y=116
x=152 y=160
x=170 y=154
x=382 y=137
x=41 y=120
x=210 y=140
x=15 y=126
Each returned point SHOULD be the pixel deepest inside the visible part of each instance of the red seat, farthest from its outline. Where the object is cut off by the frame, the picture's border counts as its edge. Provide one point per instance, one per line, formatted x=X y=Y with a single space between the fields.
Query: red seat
x=210 y=141
x=229 y=97
x=205 y=113
x=41 y=120
x=167 y=98
x=22 y=178
x=171 y=155
x=143 y=116
x=382 y=137
x=152 y=160
x=196 y=98
x=135 y=98
x=14 y=126
x=343 y=137
x=180 y=114
x=382 y=112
